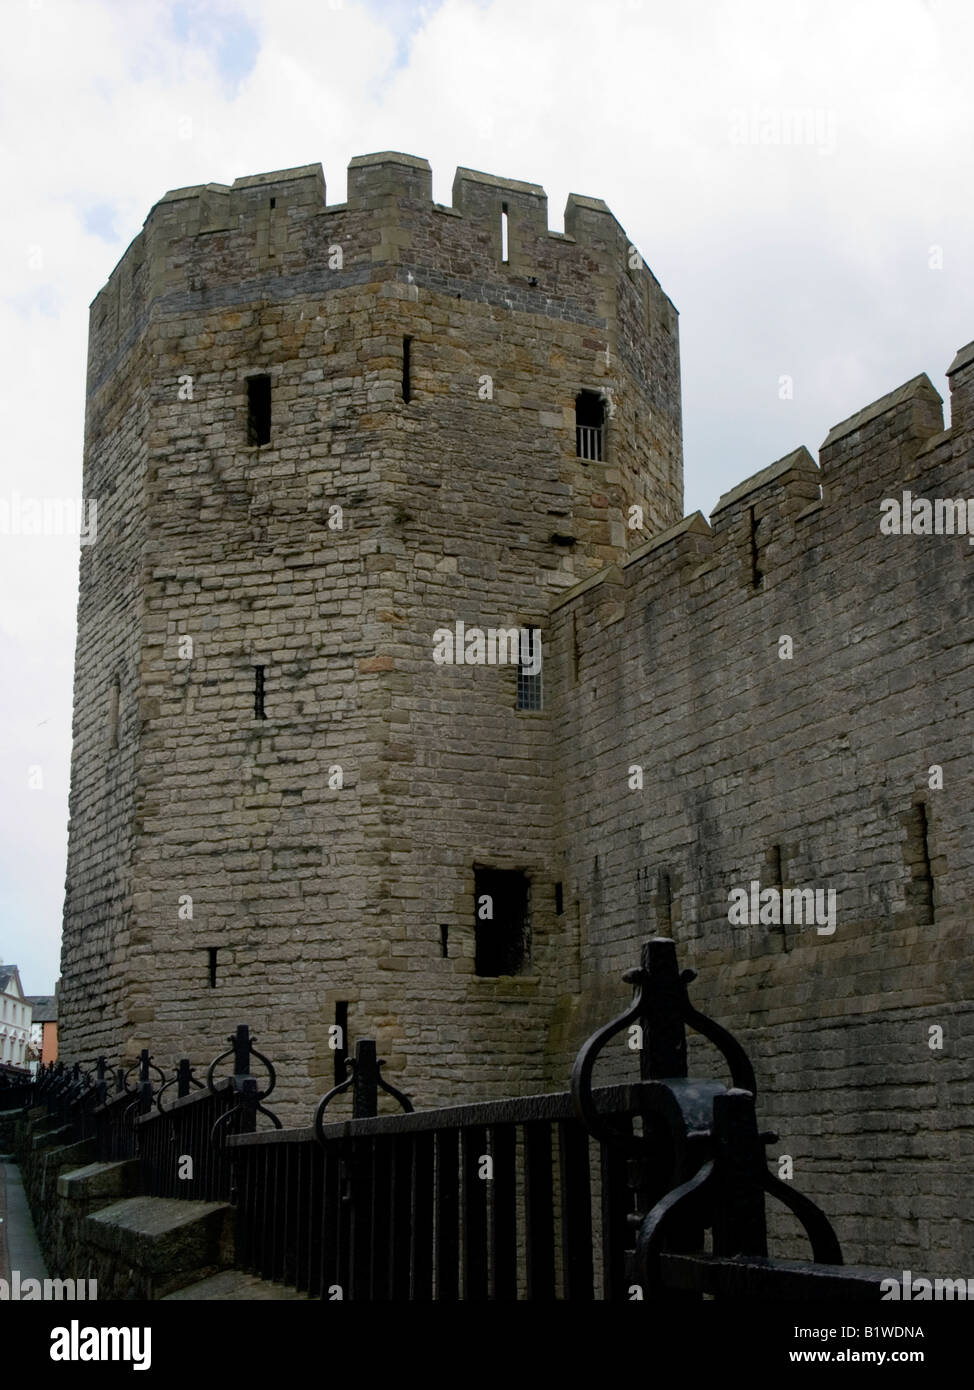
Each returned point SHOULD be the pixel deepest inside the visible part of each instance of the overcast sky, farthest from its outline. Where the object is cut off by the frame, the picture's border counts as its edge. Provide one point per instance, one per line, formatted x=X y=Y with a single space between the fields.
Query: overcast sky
x=839 y=259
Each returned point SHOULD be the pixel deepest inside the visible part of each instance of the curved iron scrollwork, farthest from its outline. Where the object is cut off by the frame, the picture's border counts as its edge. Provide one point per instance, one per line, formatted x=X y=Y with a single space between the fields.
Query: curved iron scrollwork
x=243 y=1114
x=655 y=977
x=699 y=1162
x=182 y=1078
x=365 y=1075
x=742 y=1073
x=726 y=1196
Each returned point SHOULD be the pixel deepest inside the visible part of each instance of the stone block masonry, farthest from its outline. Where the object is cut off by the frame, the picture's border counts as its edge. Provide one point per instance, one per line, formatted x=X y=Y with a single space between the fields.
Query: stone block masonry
x=319 y=433
x=267 y=847
x=785 y=696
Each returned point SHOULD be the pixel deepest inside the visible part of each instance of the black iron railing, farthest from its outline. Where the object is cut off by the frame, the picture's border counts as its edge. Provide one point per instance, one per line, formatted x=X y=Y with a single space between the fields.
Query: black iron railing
x=650 y=1190
x=496 y=1200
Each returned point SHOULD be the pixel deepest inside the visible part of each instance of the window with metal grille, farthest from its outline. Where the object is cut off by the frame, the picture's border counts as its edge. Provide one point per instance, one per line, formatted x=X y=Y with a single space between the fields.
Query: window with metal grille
x=589 y=425
x=500 y=921
x=529 y=693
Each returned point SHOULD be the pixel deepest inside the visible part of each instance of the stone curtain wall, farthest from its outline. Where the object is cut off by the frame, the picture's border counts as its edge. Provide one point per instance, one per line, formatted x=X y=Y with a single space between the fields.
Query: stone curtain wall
x=814 y=771
x=327 y=851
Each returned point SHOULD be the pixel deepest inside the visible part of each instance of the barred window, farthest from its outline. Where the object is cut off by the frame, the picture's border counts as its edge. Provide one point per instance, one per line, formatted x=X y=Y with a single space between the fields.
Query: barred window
x=528 y=690
x=589 y=425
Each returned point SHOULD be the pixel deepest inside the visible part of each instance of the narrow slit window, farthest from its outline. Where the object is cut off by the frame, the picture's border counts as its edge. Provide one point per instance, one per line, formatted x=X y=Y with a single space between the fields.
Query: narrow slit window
x=259 y=711
x=407 y=386
x=664 y=903
x=774 y=866
x=114 y=702
x=444 y=940
x=505 y=257
x=501 y=921
x=589 y=426
x=341 y=1039
x=756 y=574
x=258 y=410
x=559 y=900
x=916 y=854
x=211 y=956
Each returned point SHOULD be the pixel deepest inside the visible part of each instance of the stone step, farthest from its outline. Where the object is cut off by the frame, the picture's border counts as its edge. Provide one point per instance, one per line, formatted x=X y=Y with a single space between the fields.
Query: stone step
x=234 y=1284
x=147 y=1247
x=99 y=1182
x=49 y=1138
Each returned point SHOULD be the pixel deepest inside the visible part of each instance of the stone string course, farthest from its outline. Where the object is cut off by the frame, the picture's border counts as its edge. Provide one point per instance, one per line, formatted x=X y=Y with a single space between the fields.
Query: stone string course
x=660 y=651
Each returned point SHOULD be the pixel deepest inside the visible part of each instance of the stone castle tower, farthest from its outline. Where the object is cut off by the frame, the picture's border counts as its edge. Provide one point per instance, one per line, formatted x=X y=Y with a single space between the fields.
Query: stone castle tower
x=321 y=436
x=318 y=434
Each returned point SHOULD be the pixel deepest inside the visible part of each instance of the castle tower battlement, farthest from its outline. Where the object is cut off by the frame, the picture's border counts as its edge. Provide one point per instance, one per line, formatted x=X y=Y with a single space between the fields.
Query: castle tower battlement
x=215 y=245
x=318 y=435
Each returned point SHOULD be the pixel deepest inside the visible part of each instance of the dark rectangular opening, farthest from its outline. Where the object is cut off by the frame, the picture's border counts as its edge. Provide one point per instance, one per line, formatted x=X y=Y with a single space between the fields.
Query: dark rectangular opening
x=114 y=703
x=407 y=389
x=444 y=940
x=916 y=855
x=505 y=230
x=589 y=425
x=341 y=1051
x=258 y=410
x=774 y=866
x=259 y=711
x=211 y=953
x=500 y=921
x=756 y=575
x=559 y=900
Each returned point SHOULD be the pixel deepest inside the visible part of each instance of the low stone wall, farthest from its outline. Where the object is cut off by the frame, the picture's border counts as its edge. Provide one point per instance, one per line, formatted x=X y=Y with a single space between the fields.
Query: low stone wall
x=93 y=1223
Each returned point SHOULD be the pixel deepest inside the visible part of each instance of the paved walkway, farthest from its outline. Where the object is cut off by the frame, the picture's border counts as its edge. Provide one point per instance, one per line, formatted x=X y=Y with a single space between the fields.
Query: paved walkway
x=18 y=1241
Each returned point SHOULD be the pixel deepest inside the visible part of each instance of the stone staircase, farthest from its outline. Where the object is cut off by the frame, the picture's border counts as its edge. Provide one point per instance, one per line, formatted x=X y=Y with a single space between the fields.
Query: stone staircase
x=93 y=1223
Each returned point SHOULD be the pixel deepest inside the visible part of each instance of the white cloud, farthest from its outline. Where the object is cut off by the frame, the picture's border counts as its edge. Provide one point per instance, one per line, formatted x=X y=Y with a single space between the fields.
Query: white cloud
x=781 y=258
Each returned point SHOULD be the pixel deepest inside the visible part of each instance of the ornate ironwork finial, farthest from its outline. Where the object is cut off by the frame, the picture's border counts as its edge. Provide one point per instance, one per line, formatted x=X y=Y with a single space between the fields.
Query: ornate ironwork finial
x=183 y=1079
x=365 y=1075
x=243 y=1114
x=699 y=1162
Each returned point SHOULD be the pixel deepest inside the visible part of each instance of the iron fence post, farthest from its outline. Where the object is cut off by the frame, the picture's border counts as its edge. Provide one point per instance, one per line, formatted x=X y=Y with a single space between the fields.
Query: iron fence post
x=183 y=1077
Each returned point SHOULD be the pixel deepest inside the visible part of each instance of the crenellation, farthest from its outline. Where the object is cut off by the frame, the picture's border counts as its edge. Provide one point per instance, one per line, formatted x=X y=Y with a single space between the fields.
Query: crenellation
x=960 y=375
x=894 y=428
x=381 y=181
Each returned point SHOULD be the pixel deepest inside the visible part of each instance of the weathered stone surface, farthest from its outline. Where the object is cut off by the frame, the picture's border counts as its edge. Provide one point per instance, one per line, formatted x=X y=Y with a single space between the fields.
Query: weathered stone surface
x=468 y=502
x=311 y=892
x=145 y=1247
x=234 y=1284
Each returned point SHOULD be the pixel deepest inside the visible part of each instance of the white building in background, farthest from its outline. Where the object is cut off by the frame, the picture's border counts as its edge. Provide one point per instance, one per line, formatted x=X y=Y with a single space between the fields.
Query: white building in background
x=15 y=1019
